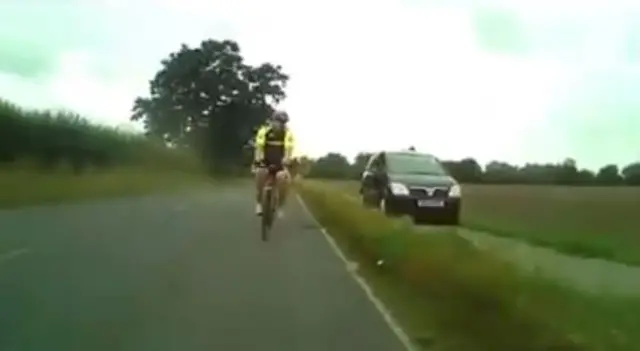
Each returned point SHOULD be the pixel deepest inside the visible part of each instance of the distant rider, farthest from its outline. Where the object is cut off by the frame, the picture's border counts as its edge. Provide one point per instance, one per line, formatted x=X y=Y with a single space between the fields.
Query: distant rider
x=274 y=144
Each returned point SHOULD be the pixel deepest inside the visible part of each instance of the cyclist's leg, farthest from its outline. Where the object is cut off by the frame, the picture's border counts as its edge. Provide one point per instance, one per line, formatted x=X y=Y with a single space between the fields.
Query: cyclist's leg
x=260 y=180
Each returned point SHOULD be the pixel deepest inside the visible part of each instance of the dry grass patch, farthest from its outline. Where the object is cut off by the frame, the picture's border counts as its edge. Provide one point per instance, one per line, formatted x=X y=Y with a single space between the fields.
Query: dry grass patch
x=23 y=187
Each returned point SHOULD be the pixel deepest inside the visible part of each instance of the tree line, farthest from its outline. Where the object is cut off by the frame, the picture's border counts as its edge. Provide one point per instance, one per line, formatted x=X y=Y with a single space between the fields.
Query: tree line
x=207 y=98
x=336 y=166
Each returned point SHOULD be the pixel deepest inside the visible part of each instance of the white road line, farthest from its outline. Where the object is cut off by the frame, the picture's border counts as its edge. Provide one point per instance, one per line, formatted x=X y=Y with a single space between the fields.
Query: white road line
x=12 y=255
x=388 y=318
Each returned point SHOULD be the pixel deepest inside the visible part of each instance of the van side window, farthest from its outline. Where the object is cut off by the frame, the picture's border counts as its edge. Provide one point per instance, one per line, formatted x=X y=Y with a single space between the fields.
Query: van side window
x=382 y=162
x=374 y=163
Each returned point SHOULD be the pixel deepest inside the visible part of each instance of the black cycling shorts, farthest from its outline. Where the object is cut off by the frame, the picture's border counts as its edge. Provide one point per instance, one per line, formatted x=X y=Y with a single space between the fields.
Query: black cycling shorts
x=273 y=167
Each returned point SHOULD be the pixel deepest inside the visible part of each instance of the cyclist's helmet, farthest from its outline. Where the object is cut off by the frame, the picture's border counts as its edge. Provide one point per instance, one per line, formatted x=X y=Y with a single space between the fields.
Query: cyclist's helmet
x=280 y=116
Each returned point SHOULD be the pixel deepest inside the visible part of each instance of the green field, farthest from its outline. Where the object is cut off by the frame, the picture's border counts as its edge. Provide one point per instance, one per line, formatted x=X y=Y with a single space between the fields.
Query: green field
x=590 y=221
x=585 y=221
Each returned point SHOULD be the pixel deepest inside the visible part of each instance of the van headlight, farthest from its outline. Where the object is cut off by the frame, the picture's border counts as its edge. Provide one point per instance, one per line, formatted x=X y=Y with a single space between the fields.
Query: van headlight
x=455 y=191
x=398 y=189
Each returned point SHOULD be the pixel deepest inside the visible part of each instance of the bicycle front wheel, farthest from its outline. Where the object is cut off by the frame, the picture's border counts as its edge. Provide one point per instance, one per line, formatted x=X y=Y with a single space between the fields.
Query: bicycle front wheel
x=267 y=213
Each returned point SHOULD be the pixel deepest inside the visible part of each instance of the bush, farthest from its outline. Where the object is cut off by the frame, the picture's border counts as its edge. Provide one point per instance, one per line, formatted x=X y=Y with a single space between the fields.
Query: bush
x=51 y=140
x=475 y=298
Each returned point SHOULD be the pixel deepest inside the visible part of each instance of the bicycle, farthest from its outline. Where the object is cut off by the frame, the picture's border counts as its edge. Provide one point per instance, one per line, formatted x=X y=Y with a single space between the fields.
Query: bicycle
x=270 y=202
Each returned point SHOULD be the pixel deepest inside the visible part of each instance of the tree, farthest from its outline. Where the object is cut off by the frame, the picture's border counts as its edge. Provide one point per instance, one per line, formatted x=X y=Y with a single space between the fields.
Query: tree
x=359 y=164
x=566 y=172
x=332 y=165
x=304 y=165
x=500 y=172
x=467 y=170
x=209 y=99
x=609 y=175
x=584 y=177
x=631 y=174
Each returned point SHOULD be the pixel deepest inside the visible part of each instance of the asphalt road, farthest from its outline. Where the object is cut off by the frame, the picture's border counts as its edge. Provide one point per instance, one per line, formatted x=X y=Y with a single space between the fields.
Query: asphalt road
x=183 y=272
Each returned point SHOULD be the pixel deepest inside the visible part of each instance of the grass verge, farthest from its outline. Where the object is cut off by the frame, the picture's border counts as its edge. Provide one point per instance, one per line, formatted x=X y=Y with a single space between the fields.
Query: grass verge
x=591 y=222
x=23 y=187
x=450 y=296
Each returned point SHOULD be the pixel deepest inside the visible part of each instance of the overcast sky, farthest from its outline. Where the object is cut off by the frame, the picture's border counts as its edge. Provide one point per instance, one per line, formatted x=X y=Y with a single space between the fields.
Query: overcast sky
x=537 y=81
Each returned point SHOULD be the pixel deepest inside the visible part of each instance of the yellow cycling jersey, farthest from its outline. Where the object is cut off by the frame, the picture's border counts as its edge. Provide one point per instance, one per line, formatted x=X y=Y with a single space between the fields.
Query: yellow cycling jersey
x=274 y=145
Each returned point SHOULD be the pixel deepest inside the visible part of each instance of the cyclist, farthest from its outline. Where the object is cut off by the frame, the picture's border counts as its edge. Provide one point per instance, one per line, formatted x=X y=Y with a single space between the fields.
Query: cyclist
x=274 y=145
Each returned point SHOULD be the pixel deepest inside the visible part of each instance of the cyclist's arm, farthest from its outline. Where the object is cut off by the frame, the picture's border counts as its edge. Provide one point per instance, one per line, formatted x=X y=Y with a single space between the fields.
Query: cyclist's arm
x=289 y=146
x=261 y=139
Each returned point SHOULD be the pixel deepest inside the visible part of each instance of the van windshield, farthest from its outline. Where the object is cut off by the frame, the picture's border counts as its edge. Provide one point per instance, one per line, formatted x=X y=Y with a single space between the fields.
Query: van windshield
x=414 y=163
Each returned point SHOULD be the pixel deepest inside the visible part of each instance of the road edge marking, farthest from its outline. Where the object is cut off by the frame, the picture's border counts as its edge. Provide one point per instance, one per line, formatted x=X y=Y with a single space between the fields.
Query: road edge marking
x=379 y=305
